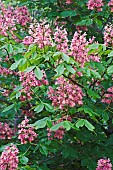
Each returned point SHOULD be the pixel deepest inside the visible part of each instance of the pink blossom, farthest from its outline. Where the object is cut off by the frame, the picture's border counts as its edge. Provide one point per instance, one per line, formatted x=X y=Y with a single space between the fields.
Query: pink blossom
x=61 y=40
x=29 y=80
x=5 y=131
x=21 y=15
x=28 y=40
x=79 y=51
x=66 y=94
x=10 y=16
x=110 y=4
x=26 y=132
x=108 y=96
x=41 y=33
x=108 y=35
x=95 y=5
x=104 y=164
x=5 y=71
x=9 y=159
x=69 y=2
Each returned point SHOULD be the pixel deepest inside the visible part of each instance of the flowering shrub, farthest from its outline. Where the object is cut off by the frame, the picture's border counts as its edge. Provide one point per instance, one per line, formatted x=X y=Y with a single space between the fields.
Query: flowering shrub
x=56 y=85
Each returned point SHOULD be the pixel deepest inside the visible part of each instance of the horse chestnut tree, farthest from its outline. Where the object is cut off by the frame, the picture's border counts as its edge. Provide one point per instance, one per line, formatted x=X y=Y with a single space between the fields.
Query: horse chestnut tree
x=56 y=85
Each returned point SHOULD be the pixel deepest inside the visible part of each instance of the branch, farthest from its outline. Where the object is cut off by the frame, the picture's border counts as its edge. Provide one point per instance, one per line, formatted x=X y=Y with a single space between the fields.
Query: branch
x=7 y=52
x=108 y=20
x=54 y=156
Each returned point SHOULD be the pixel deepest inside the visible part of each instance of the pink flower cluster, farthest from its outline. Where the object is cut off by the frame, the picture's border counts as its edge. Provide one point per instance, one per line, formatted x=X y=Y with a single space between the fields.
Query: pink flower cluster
x=9 y=159
x=5 y=131
x=108 y=35
x=95 y=5
x=5 y=71
x=28 y=40
x=60 y=38
x=69 y=2
x=104 y=164
x=6 y=19
x=66 y=94
x=29 y=80
x=21 y=15
x=79 y=51
x=40 y=33
x=108 y=97
x=26 y=132
x=110 y=4
x=58 y=134
x=9 y=17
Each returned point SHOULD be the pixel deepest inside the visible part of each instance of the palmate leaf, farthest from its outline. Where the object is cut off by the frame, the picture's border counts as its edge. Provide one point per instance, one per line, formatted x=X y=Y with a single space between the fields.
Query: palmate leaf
x=82 y=122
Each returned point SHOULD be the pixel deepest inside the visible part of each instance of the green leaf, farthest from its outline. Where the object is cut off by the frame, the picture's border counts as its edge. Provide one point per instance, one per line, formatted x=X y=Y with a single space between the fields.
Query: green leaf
x=40 y=123
x=44 y=150
x=39 y=108
x=110 y=69
x=8 y=108
x=29 y=69
x=38 y=73
x=70 y=69
x=93 y=93
x=68 y=152
x=86 y=22
x=52 y=1
x=96 y=74
x=15 y=65
x=57 y=55
x=24 y=160
x=9 y=48
x=89 y=125
x=60 y=69
x=110 y=54
x=80 y=123
x=49 y=107
x=18 y=95
x=94 y=46
x=28 y=54
x=67 y=125
x=27 y=167
x=57 y=126
x=68 y=13
x=65 y=57
x=105 y=116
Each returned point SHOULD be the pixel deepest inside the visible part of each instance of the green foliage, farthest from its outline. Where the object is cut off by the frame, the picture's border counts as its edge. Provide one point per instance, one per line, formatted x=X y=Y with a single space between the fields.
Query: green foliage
x=89 y=135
